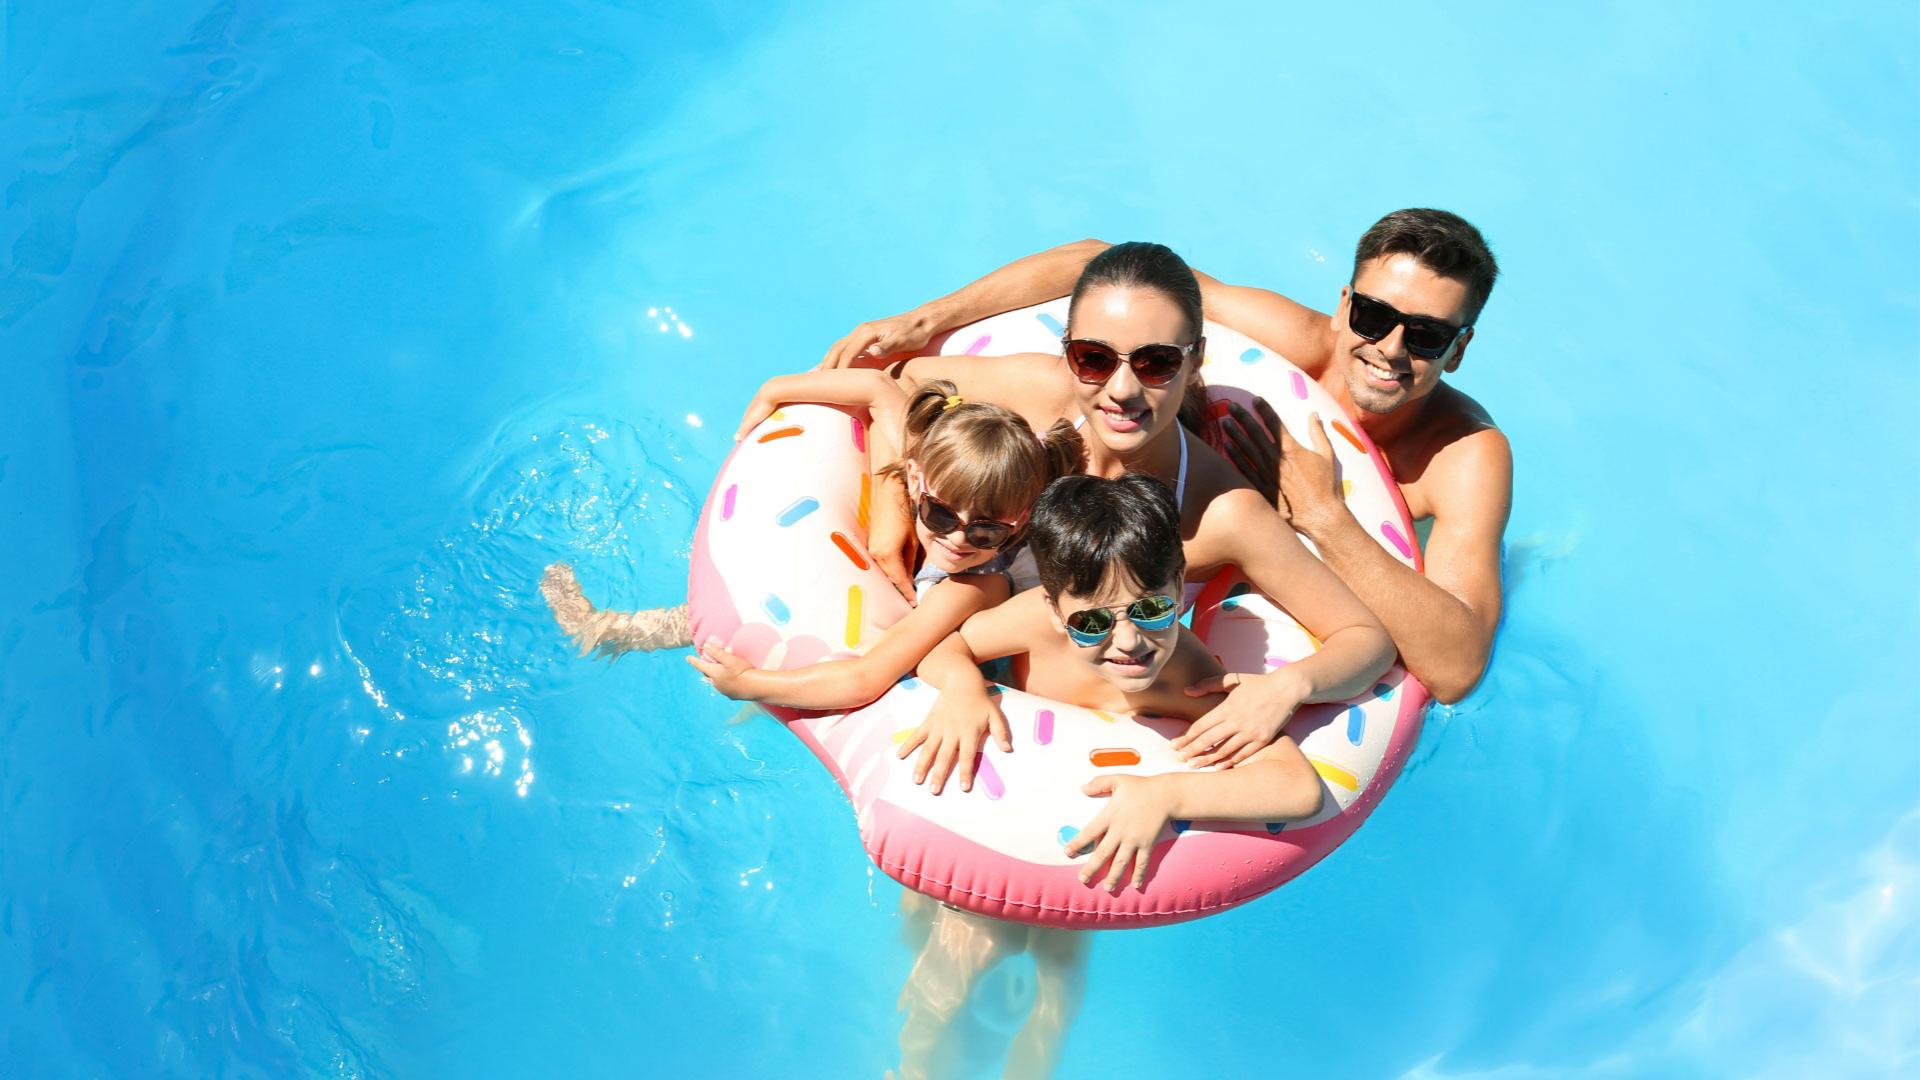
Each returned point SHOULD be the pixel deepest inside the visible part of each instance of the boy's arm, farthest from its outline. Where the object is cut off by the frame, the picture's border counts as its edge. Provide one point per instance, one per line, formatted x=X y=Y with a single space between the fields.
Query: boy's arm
x=867 y=389
x=1276 y=784
x=965 y=712
x=845 y=684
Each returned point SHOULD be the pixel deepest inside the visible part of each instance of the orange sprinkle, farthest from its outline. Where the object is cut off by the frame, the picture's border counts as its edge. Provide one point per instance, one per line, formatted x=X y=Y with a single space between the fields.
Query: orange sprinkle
x=1351 y=437
x=781 y=433
x=1106 y=759
x=866 y=500
x=852 y=553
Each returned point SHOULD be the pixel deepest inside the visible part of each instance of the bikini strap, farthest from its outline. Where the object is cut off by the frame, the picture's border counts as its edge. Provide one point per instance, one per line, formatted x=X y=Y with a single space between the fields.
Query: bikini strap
x=1180 y=481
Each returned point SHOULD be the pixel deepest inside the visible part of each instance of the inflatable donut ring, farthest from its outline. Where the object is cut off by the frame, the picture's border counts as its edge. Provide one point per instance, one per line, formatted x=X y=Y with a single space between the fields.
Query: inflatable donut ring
x=780 y=574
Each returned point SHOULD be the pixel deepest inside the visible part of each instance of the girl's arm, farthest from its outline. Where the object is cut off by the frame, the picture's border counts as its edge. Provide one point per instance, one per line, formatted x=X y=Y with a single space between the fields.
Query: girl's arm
x=862 y=388
x=1276 y=784
x=1354 y=647
x=846 y=684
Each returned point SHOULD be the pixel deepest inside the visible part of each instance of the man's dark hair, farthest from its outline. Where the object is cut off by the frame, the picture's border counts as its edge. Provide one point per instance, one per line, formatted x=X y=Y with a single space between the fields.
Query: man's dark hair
x=1444 y=242
x=1085 y=528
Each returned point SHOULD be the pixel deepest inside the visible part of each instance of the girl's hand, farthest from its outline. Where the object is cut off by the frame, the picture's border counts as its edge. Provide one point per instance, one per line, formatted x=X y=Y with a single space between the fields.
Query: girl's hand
x=1123 y=834
x=1256 y=711
x=951 y=737
x=725 y=672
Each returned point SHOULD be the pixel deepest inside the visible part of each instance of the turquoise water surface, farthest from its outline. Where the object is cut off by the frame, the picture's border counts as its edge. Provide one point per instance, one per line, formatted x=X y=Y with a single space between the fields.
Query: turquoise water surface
x=324 y=327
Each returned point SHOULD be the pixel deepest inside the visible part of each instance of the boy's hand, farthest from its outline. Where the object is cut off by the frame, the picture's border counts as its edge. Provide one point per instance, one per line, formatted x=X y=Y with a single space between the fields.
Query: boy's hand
x=951 y=736
x=726 y=672
x=1123 y=833
x=1256 y=711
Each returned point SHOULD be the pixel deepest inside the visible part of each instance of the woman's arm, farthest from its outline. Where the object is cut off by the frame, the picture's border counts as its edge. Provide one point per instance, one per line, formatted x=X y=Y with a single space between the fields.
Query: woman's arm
x=1354 y=646
x=1025 y=281
x=1276 y=784
x=866 y=389
x=846 y=684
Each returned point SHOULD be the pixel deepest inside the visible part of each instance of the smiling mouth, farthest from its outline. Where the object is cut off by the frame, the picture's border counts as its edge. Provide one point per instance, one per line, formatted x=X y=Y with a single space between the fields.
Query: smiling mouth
x=1124 y=419
x=1130 y=665
x=1380 y=373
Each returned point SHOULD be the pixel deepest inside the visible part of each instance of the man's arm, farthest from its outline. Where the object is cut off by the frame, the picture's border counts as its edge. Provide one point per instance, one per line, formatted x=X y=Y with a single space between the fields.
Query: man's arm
x=1025 y=281
x=1442 y=622
x=1292 y=329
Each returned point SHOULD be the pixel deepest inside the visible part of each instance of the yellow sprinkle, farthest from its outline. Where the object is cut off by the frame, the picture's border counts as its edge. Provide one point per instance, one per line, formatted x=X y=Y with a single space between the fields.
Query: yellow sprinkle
x=1108 y=717
x=778 y=414
x=853 y=616
x=902 y=736
x=1334 y=774
x=1346 y=488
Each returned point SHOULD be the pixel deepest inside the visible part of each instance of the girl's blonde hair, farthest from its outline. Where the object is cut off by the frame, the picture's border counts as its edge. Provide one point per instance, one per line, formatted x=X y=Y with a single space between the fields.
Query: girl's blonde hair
x=981 y=457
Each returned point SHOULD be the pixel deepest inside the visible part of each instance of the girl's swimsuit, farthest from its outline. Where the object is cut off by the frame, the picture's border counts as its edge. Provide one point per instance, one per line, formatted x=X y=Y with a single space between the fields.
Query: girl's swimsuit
x=931 y=575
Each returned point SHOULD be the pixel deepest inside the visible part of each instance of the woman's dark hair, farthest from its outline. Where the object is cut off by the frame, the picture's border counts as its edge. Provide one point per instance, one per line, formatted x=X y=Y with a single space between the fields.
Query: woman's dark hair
x=1140 y=264
x=1443 y=242
x=1087 y=528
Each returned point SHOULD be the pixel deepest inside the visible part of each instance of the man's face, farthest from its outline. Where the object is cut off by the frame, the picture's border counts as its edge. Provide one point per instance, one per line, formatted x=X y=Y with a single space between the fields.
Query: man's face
x=1383 y=375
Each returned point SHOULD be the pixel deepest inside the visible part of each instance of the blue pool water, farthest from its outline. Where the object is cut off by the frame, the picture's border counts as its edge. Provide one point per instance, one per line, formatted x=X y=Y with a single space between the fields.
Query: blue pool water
x=321 y=331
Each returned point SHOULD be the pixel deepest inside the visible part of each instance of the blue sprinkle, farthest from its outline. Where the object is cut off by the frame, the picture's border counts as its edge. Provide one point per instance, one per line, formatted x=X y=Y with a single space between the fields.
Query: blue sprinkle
x=1181 y=826
x=1274 y=827
x=1356 y=724
x=1052 y=324
x=910 y=682
x=1250 y=356
x=1230 y=603
x=1383 y=691
x=800 y=508
x=776 y=609
x=1067 y=832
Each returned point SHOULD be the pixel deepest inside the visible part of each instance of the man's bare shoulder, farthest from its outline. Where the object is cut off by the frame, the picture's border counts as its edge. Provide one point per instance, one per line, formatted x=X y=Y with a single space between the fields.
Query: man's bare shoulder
x=1467 y=455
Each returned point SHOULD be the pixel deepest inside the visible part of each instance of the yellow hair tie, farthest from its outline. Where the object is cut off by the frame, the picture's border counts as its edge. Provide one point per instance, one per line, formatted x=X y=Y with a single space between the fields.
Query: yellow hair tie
x=953 y=400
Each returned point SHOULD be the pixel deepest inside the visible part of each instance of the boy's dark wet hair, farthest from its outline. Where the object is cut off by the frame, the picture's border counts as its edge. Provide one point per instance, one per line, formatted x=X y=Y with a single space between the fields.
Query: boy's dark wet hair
x=1086 y=528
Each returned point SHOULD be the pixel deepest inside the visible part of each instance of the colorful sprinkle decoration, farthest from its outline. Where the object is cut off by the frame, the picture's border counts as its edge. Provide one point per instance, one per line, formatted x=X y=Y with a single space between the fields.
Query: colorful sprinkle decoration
x=1113 y=758
x=800 y=508
x=780 y=433
x=776 y=609
x=1043 y=727
x=989 y=778
x=1356 y=724
x=979 y=344
x=859 y=434
x=1300 y=386
x=1052 y=324
x=1251 y=356
x=854 y=607
x=1393 y=536
x=726 y=501
x=1348 y=434
x=845 y=544
x=1066 y=833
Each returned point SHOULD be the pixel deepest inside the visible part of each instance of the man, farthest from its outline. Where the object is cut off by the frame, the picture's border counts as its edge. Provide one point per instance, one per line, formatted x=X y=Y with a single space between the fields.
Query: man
x=1404 y=320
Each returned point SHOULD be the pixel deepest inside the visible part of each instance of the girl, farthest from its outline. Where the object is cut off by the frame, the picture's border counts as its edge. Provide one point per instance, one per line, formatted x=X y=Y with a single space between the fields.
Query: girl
x=971 y=471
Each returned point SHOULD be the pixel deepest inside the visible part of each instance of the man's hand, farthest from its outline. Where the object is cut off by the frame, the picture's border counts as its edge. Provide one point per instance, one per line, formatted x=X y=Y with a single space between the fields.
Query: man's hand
x=726 y=672
x=871 y=344
x=1310 y=480
x=1121 y=836
x=1256 y=711
x=1252 y=450
x=890 y=541
x=951 y=736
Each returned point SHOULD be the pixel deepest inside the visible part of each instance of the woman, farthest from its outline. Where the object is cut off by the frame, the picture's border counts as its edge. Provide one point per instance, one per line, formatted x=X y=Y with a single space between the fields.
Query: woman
x=1132 y=350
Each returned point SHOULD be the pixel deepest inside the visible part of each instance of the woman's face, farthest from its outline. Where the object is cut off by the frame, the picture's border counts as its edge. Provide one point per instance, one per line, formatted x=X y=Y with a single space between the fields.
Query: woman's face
x=1130 y=658
x=948 y=551
x=1121 y=413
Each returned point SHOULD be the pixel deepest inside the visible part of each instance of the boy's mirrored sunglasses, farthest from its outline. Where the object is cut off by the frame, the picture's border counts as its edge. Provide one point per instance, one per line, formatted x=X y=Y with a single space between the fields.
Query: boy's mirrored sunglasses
x=1091 y=626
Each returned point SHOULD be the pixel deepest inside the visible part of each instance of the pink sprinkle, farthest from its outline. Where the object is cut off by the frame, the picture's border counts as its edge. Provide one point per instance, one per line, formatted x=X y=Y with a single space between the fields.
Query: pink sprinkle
x=1043 y=727
x=726 y=501
x=1300 y=386
x=859 y=434
x=1393 y=537
x=978 y=344
x=983 y=771
x=1278 y=661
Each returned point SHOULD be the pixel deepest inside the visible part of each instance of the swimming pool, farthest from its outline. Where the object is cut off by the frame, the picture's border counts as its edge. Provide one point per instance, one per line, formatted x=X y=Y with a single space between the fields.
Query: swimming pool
x=327 y=332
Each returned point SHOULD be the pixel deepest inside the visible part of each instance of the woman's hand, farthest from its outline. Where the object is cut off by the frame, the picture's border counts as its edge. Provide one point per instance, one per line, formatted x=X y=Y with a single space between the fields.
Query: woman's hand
x=1256 y=711
x=872 y=343
x=890 y=540
x=761 y=407
x=726 y=672
x=951 y=736
x=1123 y=833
